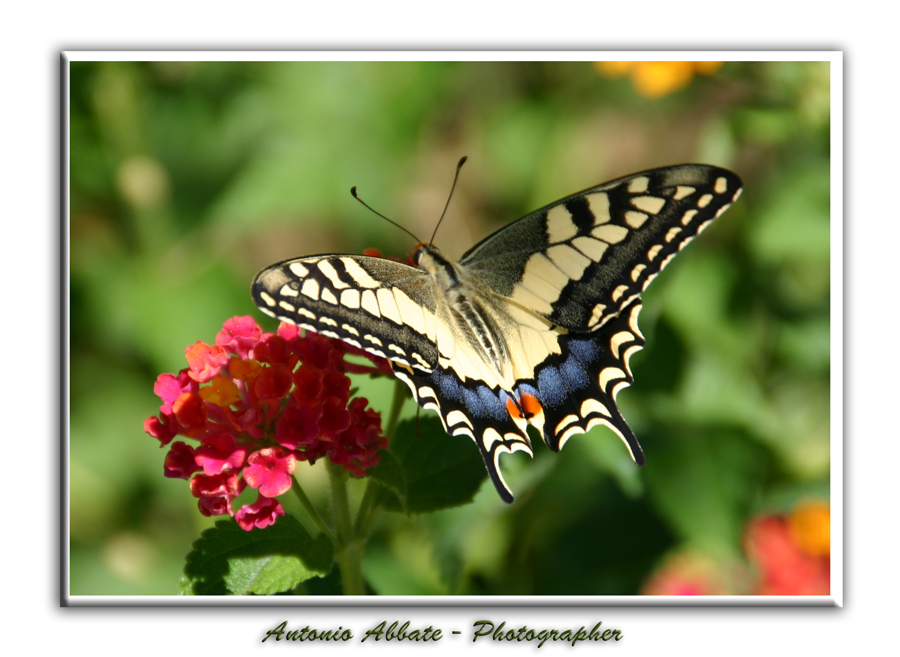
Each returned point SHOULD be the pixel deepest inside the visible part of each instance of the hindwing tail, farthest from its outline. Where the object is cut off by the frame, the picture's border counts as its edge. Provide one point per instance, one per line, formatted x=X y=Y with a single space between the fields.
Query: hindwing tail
x=471 y=409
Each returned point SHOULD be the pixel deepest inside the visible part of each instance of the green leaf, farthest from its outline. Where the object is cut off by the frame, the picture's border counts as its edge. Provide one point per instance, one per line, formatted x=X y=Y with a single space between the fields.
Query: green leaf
x=228 y=560
x=441 y=471
x=389 y=474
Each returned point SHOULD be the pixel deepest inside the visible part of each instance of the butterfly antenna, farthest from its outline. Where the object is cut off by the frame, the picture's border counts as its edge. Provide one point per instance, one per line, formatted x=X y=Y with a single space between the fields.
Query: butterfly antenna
x=462 y=161
x=353 y=191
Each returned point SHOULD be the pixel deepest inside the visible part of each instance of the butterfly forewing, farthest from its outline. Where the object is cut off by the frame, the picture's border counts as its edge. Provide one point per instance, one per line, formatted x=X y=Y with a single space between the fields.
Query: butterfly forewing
x=384 y=307
x=535 y=324
x=579 y=261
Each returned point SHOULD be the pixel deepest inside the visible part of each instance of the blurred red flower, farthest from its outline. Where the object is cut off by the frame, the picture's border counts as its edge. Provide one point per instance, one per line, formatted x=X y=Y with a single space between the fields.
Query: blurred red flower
x=792 y=552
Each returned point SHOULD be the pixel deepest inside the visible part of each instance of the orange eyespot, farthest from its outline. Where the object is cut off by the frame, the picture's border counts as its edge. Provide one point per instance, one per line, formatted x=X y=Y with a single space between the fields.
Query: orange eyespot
x=531 y=405
x=528 y=406
x=512 y=409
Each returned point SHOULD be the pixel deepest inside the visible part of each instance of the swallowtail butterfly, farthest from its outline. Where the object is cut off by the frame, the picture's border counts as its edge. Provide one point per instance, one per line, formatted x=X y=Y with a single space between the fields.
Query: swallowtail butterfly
x=534 y=324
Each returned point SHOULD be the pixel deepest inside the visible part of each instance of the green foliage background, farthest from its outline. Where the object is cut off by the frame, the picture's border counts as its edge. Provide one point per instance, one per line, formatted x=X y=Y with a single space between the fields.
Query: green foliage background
x=186 y=178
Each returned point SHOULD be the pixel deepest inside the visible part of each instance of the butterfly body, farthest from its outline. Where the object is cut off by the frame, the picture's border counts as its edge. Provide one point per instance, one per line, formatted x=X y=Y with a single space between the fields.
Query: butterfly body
x=534 y=324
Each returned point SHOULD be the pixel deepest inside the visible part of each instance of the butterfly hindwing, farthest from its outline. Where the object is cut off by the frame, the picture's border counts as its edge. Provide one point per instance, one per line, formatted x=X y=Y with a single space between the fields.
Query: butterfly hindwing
x=534 y=325
x=471 y=408
x=577 y=390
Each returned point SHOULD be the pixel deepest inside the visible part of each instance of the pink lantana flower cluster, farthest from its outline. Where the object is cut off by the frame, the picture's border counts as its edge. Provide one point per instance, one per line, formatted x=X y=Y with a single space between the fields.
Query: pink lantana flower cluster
x=257 y=403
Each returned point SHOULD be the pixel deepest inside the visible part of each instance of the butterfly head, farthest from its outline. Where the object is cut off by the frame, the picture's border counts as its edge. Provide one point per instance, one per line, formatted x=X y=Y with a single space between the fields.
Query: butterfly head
x=429 y=258
x=424 y=250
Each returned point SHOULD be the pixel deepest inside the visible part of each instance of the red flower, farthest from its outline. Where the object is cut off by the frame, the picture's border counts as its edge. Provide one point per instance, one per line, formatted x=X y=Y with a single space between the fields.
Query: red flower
x=356 y=447
x=190 y=412
x=204 y=362
x=257 y=403
x=273 y=384
x=180 y=461
x=336 y=386
x=307 y=384
x=298 y=426
x=169 y=388
x=216 y=492
x=317 y=350
x=226 y=484
x=218 y=454
x=239 y=335
x=160 y=428
x=697 y=573
x=270 y=471
x=261 y=513
x=249 y=422
x=334 y=418
x=274 y=349
x=215 y=506
x=784 y=567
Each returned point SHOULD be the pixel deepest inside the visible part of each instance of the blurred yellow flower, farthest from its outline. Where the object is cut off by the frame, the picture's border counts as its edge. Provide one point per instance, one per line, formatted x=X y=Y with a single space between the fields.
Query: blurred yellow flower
x=657 y=79
x=810 y=527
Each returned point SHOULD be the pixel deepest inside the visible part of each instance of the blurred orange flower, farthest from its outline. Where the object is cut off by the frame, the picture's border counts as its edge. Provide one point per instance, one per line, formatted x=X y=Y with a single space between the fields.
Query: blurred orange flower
x=792 y=553
x=657 y=79
x=810 y=526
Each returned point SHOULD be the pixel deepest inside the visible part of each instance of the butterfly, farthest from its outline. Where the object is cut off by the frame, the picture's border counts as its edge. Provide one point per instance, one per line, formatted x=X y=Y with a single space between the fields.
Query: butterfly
x=535 y=324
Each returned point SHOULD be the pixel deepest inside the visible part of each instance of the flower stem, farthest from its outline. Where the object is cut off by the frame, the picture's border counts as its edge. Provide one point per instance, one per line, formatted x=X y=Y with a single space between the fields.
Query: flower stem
x=368 y=511
x=348 y=547
x=396 y=406
x=349 y=559
x=311 y=510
